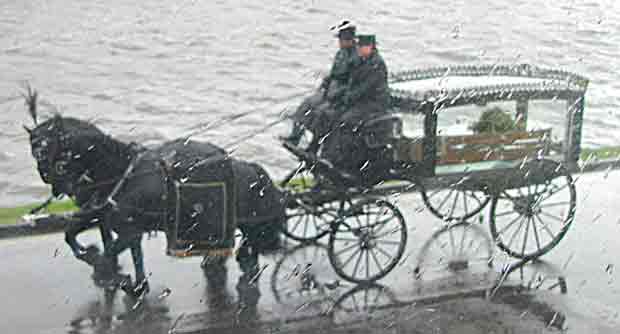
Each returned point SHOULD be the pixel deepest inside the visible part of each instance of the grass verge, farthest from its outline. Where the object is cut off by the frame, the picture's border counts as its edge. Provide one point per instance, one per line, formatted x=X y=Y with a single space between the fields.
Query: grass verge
x=609 y=152
x=12 y=215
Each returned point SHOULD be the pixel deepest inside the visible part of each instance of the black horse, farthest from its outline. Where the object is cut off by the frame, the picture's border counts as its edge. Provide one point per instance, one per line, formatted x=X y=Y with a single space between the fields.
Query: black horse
x=130 y=190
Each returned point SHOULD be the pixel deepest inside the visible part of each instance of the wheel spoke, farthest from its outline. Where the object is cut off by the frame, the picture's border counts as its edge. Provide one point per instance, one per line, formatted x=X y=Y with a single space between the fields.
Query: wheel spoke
x=453 y=208
x=527 y=230
x=507 y=196
x=552 y=216
x=392 y=231
x=504 y=213
x=536 y=237
x=374 y=257
x=359 y=223
x=389 y=242
x=445 y=200
x=553 y=204
x=367 y=264
x=296 y=215
x=546 y=228
x=465 y=203
x=346 y=249
x=386 y=254
x=296 y=224
x=435 y=193
x=347 y=239
x=315 y=223
x=381 y=224
x=350 y=258
x=515 y=232
x=552 y=192
x=505 y=228
x=357 y=263
x=473 y=194
x=306 y=226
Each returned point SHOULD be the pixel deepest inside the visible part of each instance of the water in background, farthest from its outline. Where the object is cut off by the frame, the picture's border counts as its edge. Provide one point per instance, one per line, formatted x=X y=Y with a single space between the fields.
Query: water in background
x=149 y=70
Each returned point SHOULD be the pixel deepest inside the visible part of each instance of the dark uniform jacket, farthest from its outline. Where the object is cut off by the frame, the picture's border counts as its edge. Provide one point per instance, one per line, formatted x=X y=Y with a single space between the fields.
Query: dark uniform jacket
x=367 y=95
x=340 y=73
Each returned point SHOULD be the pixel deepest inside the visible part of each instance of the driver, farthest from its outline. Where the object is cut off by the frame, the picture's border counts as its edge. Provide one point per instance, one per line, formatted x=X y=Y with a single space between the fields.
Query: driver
x=367 y=95
x=366 y=98
x=333 y=87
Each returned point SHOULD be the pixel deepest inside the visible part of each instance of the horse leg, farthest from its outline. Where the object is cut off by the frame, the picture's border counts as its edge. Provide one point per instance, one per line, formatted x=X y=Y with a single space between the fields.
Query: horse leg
x=142 y=286
x=79 y=251
x=216 y=273
x=104 y=266
x=107 y=238
x=247 y=256
x=249 y=294
x=247 y=287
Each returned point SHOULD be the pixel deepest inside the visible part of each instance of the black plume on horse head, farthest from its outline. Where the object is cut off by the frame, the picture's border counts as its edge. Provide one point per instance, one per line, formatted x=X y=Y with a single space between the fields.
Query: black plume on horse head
x=31 y=96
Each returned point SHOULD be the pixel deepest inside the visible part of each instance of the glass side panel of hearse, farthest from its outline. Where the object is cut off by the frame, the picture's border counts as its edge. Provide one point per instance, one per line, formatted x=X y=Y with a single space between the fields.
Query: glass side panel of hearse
x=484 y=122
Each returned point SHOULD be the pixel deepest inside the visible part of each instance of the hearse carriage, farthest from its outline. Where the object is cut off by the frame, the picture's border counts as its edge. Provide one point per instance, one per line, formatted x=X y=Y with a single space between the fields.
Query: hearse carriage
x=464 y=137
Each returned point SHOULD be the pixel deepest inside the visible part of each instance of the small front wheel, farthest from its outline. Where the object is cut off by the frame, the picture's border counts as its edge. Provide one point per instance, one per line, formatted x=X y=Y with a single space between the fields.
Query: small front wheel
x=368 y=241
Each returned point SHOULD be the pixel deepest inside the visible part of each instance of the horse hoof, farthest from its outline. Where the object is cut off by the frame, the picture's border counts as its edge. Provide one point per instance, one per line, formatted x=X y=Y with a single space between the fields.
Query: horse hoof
x=138 y=291
x=89 y=255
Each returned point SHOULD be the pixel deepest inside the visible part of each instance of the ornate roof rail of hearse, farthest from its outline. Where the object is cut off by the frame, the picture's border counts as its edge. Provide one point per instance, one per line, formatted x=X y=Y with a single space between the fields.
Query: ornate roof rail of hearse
x=422 y=90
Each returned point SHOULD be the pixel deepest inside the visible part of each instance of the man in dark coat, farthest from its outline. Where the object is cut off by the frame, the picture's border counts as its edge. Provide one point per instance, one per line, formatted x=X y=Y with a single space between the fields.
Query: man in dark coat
x=310 y=113
x=366 y=98
x=367 y=95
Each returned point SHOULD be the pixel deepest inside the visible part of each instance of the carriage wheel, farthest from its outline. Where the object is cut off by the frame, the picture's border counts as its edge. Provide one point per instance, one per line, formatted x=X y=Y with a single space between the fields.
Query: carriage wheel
x=458 y=254
x=361 y=301
x=455 y=202
x=368 y=241
x=307 y=222
x=303 y=277
x=530 y=219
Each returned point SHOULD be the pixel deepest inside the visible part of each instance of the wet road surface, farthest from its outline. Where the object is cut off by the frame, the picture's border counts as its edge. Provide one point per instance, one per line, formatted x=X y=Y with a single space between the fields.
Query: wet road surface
x=45 y=290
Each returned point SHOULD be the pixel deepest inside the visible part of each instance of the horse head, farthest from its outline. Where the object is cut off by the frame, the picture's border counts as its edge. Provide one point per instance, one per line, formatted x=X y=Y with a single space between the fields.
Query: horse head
x=51 y=148
x=59 y=146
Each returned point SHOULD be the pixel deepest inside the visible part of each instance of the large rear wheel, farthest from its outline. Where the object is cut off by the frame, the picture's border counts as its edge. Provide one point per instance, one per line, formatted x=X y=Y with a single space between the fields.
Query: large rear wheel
x=534 y=212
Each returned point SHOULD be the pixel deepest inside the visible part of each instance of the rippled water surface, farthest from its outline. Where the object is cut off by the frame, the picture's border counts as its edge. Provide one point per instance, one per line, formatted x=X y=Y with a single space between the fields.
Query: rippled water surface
x=150 y=70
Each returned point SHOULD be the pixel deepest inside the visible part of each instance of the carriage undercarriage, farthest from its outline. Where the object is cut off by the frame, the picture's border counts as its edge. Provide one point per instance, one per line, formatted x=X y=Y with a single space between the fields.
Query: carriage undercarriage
x=517 y=198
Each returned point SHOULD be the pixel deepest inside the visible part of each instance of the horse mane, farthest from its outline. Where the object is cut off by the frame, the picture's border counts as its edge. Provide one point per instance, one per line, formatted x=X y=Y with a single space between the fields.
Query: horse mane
x=84 y=136
x=77 y=128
